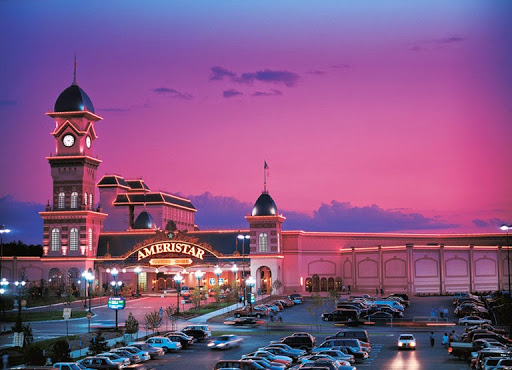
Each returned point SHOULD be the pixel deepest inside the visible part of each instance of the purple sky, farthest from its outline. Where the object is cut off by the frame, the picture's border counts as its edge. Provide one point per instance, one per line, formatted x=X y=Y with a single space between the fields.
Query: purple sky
x=372 y=116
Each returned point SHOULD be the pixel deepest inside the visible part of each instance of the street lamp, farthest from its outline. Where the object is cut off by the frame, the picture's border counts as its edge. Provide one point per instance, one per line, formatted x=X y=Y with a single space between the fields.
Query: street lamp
x=84 y=275
x=243 y=237
x=177 y=279
x=19 y=287
x=3 y=231
x=3 y=289
x=235 y=270
x=137 y=271
x=115 y=286
x=90 y=278
x=507 y=228
x=218 y=272
x=250 y=283
x=199 y=276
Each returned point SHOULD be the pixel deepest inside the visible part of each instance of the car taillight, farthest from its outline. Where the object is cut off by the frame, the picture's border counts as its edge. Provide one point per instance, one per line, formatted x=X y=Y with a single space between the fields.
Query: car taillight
x=450 y=349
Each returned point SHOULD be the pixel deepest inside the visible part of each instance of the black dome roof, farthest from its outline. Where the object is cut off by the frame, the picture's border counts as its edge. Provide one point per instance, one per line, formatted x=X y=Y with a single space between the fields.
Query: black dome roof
x=144 y=221
x=264 y=206
x=73 y=99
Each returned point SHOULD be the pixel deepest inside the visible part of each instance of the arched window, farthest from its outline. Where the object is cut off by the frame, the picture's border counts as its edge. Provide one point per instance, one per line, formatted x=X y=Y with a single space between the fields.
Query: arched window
x=74 y=199
x=73 y=239
x=85 y=199
x=62 y=200
x=330 y=284
x=309 y=284
x=316 y=283
x=74 y=278
x=90 y=201
x=90 y=239
x=338 y=284
x=55 y=277
x=323 y=284
x=263 y=243
x=55 y=240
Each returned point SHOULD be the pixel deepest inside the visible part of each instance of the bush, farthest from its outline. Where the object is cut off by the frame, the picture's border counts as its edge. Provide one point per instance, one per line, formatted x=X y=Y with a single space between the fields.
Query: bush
x=33 y=355
x=60 y=351
x=98 y=344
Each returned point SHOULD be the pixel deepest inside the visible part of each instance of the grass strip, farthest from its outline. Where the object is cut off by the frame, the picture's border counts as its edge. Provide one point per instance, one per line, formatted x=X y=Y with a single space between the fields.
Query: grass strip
x=42 y=316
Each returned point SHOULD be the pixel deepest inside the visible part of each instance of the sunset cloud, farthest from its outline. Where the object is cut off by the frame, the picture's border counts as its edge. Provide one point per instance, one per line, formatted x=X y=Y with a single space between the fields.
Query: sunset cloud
x=172 y=93
x=231 y=93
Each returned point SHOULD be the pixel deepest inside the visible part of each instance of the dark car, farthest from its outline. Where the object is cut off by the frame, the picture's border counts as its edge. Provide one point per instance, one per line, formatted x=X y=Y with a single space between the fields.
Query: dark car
x=198 y=334
x=360 y=334
x=386 y=308
x=246 y=311
x=184 y=339
x=246 y=321
x=304 y=341
x=380 y=316
x=341 y=315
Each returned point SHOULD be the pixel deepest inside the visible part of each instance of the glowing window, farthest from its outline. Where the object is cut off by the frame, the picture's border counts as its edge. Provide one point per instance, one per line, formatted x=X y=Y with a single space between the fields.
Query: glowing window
x=74 y=199
x=90 y=239
x=263 y=242
x=73 y=239
x=85 y=198
x=55 y=240
x=62 y=200
x=90 y=200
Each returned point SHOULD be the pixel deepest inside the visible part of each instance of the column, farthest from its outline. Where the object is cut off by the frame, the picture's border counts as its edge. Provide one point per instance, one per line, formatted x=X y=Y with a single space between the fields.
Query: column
x=500 y=272
x=410 y=269
x=381 y=269
x=354 y=279
x=471 y=270
x=442 y=270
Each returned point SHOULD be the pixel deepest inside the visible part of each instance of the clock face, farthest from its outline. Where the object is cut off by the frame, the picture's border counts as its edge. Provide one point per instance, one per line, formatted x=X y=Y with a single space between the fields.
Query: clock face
x=68 y=140
x=88 y=141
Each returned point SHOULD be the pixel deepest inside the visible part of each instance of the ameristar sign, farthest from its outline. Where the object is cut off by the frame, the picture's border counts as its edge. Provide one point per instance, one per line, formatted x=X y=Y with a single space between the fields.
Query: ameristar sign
x=170 y=247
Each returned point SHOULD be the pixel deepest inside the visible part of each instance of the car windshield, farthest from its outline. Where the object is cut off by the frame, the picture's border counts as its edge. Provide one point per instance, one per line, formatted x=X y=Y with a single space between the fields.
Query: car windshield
x=406 y=337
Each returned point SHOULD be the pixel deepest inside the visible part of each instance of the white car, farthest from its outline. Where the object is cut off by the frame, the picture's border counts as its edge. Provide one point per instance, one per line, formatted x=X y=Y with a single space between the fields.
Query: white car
x=337 y=355
x=313 y=358
x=144 y=355
x=406 y=341
x=473 y=320
x=67 y=366
x=225 y=342
x=165 y=343
x=116 y=359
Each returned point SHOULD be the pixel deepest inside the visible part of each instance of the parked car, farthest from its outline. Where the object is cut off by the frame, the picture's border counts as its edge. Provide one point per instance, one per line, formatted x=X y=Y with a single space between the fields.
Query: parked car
x=338 y=355
x=406 y=341
x=473 y=320
x=329 y=344
x=296 y=298
x=285 y=360
x=144 y=355
x=342 y=315
x=134 y=358
x=151 y=350
x=205 y=328
x=266 y=364
x=178 y=336
x=225 y=342
x=245 y=321
x=315 y=357
x=360 y=334
x=116 y=359
x=384 y=308
x=67 y=366
x=303 y=341
x=165 y=343
x=238 y=364
x=198 y=334
x=289 y=351
x=380 y=315
x=99 y=363
x=246 y=312
x=486 y=327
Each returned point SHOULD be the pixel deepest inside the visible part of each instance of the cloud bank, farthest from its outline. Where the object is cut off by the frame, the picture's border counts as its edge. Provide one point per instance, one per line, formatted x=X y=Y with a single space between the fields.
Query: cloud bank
x=287 y=78
x=172 y=93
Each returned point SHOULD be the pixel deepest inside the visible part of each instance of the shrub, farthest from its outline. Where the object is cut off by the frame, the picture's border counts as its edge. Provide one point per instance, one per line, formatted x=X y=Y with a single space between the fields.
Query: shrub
x=60 y=351
x=98 y=344
x=33 y=355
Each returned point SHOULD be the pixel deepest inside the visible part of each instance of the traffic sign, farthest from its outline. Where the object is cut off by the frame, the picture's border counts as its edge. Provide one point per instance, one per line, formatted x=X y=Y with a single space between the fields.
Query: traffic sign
x=89 y=315
x=67 y=313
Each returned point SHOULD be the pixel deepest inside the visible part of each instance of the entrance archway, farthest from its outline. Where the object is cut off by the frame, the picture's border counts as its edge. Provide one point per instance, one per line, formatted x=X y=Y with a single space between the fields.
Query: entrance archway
x=264 y=280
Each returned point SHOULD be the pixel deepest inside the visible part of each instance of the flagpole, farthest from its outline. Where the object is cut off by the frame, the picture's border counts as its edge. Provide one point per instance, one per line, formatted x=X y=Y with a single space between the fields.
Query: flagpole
x=265 y=177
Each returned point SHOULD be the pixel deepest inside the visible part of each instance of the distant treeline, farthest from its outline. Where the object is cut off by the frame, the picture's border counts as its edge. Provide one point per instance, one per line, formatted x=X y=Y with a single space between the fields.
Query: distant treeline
x=21 y=249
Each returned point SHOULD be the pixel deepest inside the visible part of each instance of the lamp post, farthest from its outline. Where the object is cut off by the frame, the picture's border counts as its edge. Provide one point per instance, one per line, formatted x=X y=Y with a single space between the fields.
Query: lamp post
x=19 y=287
x=218 y=272
x=243 y=237
x=115 y=286
x=84 y=275
x=3 y=289
x=507 y=228
x=177 y=279
x=137 y=271
x=235 y=288
x=90 y=279
x=3 y=231
x=250 y=283
x=199 y=276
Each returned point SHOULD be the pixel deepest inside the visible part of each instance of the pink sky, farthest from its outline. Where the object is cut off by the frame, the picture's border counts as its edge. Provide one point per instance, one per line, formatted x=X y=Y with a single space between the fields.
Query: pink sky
x=405 y=106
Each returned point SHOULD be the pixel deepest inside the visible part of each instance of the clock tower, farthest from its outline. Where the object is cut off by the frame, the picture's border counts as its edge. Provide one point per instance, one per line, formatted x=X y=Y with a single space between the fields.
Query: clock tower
x=72 y=219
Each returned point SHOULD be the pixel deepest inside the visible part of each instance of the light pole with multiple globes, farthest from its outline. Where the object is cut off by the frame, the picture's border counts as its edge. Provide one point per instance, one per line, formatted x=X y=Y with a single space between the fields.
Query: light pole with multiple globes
x=243 y=237
x=199 y=276
x=137 y=271
x=84 y=275
x=19 y=288
x=177 y=279
x=115 y=286
x=3 y=289
x=250 y=283
x=3 y=231
x=235 y=288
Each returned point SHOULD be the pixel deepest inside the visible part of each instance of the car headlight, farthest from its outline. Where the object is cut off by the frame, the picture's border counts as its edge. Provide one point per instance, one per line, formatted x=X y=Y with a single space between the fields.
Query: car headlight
x=211 y=344
x=400 y=344
x=221 y=345
x=413 y=344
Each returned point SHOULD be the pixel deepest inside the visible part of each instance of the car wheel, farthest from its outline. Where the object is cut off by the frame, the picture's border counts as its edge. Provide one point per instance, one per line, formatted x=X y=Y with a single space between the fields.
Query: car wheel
x=466 y=324
x=258 y=316
x=237 y=315
x=165 y=349
x=326 y=319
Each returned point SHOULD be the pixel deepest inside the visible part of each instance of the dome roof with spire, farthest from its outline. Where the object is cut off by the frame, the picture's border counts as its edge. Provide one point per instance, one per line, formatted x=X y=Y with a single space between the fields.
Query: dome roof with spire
x=144 y=221
x=73 y=99
x=264 y=206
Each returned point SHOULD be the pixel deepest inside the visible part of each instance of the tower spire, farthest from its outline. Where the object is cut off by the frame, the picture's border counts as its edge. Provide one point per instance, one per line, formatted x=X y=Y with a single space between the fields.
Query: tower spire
x=74 y=73
x=265 y=170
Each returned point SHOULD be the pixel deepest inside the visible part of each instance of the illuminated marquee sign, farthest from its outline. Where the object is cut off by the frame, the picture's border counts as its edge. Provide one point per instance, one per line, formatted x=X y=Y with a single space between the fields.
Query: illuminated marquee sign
x=170 y=261
x=171 y=247
x=116 y=303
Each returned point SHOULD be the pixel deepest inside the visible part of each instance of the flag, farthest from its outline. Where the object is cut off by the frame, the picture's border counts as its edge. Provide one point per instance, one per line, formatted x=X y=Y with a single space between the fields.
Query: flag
x=266 y=168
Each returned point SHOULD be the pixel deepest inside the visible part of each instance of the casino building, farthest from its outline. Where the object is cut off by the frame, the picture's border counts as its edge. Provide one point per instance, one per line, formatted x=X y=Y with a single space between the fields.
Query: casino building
x=131 y=226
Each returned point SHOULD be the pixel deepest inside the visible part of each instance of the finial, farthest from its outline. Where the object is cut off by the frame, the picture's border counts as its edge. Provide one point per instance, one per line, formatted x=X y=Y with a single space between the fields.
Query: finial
x=265 y=172
x=74 y=73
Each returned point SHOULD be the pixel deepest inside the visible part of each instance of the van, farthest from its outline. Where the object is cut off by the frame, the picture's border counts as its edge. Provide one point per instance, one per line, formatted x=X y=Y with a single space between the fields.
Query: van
x=360 y=334
x=393 y=304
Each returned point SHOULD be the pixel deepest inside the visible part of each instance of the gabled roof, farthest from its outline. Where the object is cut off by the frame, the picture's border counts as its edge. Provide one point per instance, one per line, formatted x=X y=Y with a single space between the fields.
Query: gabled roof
x=153 y=198
x=137 y=184
x=109 y=181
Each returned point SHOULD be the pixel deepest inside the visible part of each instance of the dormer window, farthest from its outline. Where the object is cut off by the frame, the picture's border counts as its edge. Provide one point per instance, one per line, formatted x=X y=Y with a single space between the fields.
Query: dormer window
x=62 y=200
x=74 y=199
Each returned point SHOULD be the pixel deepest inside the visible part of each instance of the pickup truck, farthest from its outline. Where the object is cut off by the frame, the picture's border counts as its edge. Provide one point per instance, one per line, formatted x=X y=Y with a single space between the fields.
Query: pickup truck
x=463 y=350
x=246 y=311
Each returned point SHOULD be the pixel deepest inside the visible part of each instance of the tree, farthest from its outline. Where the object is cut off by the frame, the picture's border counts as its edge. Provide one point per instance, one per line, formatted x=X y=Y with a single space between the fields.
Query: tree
x=33 y=355
x=60 y=351
x=98 y=344
x=153 y=320
x=171 y=313
x=196 y=297
x=314 y=308
x=131 y=325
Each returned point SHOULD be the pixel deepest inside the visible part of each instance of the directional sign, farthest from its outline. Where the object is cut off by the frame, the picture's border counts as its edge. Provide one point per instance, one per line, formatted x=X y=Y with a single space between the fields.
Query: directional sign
x=116 y=303
x=67 y=313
